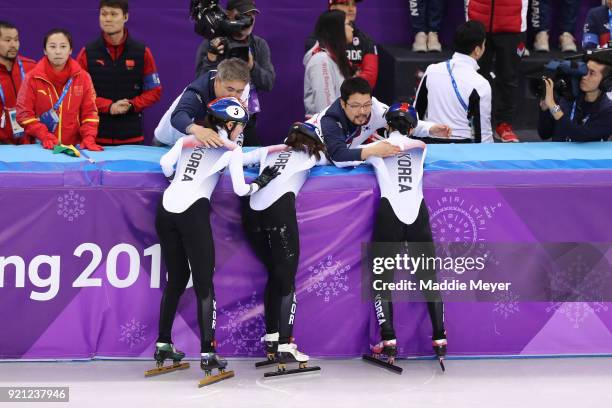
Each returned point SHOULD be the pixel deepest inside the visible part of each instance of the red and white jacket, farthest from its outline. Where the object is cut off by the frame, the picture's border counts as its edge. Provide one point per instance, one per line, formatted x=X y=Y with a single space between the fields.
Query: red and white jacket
x=78 y=115
x=10 y=83
x=499 y=16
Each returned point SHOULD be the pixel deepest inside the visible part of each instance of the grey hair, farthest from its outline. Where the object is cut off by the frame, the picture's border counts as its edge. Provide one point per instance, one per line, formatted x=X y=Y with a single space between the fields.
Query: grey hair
x=233 y=69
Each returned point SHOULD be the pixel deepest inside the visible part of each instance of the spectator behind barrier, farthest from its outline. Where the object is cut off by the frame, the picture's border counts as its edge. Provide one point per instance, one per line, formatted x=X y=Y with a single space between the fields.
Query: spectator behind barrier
x=426 y=20
x=257 y=56
x=597 y=26
x=453 y=92
x=540 y=22
x=13 y=69
x=589 y=117
x=56 y=103
x=505 y=22
x=124 y=74
x=362 y=51
x=326 y=62
x=231 y=79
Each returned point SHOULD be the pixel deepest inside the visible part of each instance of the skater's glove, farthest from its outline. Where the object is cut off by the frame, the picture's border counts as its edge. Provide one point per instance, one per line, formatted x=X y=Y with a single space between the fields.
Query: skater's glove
x=267 y=175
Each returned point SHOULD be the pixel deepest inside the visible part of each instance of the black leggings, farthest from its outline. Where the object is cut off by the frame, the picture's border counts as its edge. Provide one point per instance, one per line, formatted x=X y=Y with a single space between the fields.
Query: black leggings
x=186 y=239
x=273 y=234
x=388 y=228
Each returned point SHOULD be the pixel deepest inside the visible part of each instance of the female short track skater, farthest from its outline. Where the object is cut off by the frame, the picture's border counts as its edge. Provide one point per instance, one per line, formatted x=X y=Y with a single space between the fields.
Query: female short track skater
x=185 y=235
x=402 y=216
x=270 y=222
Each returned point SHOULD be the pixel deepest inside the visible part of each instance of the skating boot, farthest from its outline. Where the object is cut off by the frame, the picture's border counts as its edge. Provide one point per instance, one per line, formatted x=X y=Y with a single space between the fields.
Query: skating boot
x=209 y=362
x=167 y=351
x=288 y=353
x=384 y=354
x=439 y=347
x=271 y=341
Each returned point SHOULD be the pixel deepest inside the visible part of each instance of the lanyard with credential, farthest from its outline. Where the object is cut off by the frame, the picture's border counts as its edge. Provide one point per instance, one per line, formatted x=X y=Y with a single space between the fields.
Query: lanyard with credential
x=22 y=71
x=610 y=22
x=450 y=72
x=584 y=120
x=63 y=95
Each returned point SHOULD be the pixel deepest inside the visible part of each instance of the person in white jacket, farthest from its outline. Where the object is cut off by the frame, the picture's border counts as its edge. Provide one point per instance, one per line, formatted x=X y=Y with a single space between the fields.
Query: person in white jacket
x=183 y=226
x=270 y=223
x=326 y=63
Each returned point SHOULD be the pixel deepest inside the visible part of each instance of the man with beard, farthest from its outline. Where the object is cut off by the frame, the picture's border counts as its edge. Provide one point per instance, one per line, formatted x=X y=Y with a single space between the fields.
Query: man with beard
x=13 y=69
x=354 y=118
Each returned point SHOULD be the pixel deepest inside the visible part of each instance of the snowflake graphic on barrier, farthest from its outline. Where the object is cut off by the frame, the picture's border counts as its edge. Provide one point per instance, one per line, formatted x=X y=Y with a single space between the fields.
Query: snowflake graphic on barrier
x=578 y=279
x=245 y=326
x=71 y=205
x=578 y=312
x=456 y=221
x=506 y=304
x=133 y=333
x=328 y=278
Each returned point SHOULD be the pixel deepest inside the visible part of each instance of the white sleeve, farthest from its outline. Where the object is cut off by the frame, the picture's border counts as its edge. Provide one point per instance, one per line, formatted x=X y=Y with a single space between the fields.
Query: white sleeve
x=348 y=164
x=321 y=81
x=241 y=188
x=486 y=132
x=422 y=129
x=323 y=161
x=252 y=157
x=169 y=159
x=378 y=114
x=165 y=132
x=244 y=98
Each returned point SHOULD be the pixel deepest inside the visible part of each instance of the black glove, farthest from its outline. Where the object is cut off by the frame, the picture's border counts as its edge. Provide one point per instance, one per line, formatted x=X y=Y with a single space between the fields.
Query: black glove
x=267 y=175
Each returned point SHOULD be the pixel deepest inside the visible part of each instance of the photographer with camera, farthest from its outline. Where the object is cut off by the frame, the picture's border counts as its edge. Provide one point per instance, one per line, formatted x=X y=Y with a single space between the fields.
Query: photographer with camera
x=589 y=116
x=234 y=38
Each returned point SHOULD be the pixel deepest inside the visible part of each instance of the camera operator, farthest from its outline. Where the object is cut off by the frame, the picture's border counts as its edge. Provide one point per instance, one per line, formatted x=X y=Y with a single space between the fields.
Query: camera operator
x=589 y=116
x=247 y=46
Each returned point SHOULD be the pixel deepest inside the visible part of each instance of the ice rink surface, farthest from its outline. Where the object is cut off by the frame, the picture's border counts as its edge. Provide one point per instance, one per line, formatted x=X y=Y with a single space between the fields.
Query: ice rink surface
x=535 y=382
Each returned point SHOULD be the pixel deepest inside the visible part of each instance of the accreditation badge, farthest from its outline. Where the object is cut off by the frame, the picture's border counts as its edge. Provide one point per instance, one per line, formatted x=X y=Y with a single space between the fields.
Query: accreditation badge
x=18 y=131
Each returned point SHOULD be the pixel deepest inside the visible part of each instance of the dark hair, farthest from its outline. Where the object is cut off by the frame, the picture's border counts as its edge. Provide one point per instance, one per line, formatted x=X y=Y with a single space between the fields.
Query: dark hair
x=122 y=4
x=604 y=58
x=57 y=31
x=353 y=86
x=212 y=122
x=468 y=36
x=302 y=143
x=7 y=25
x=330 y=33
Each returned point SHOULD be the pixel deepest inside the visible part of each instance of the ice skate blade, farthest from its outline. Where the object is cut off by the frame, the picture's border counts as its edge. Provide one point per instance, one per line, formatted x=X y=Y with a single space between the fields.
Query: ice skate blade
x=166 y=369
x=211 y=379
x=441 y=361
x=382 y=363
x=279 y=372
x=265 y=363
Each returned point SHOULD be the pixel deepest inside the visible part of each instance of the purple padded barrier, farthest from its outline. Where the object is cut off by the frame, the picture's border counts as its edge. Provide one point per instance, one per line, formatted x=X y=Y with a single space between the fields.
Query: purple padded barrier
x=112 y=227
